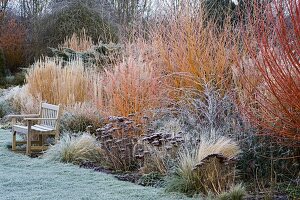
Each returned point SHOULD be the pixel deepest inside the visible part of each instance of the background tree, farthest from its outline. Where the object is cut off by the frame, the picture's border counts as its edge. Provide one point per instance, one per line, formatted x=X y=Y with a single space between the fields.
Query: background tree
x=219 y=10
x=2 y=65
x=13 y=41
x=3 y=8
x=52 y=28
x=32 y=8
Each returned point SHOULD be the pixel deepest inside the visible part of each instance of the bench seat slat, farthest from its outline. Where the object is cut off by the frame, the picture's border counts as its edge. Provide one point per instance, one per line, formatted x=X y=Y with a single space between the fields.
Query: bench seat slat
x=44 y=127
x=24 y=129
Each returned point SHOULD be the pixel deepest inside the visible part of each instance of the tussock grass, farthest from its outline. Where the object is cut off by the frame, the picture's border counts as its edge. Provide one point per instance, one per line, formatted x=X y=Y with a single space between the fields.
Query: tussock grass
x=76 y=150
x=223 y=146
x=204 y=169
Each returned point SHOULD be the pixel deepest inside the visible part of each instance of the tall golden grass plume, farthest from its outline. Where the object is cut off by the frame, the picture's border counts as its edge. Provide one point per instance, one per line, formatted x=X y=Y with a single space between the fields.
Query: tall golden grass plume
x=59 y=83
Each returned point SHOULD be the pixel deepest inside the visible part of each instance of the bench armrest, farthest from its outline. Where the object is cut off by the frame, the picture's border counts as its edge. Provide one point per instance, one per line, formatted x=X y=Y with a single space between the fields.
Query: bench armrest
x=31 y=119
x=23 y=116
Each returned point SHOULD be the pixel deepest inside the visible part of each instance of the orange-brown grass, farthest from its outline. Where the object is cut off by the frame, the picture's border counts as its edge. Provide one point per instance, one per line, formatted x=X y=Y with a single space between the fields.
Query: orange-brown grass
x=81 y=42
x=274 y=51
x=194 y=52
x=130 y=87
x=48 y=79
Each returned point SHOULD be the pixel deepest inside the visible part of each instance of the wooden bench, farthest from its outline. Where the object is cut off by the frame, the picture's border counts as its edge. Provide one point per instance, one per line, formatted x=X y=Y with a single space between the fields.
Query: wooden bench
x=46 y=123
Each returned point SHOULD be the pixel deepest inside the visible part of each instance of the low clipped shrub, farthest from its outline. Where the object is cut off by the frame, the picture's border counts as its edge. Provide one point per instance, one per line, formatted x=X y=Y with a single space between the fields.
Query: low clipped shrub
x=292 y=188
x=2 y=111
x=75 y=149
x=208 y=168
x=274 y=164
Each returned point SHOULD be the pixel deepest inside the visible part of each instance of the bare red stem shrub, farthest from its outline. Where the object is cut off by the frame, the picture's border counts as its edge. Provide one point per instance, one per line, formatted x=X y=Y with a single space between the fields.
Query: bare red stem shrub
x=271 y=76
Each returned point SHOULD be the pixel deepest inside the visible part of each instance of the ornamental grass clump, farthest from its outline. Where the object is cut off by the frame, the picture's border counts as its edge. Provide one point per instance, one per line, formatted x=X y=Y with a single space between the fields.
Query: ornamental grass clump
x=132 y=86
x=75 y=149
x=56 y=82
x=209 y=168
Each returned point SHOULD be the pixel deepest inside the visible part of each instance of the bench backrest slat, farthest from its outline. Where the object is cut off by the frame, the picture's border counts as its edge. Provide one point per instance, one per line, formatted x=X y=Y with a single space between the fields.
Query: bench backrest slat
x=49 y=111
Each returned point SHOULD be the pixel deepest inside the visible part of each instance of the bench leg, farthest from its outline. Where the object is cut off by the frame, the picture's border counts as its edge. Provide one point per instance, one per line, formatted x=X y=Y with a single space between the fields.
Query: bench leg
x=41 y=140
x=14 y=141
x=28 y=147
x=56 y=137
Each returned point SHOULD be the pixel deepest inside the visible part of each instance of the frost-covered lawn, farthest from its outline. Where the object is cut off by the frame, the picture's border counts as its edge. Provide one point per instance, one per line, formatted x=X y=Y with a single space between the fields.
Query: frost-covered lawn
x=24 y=178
